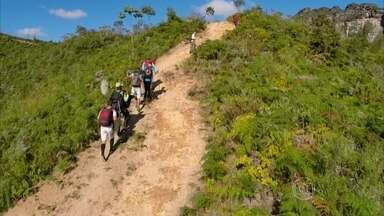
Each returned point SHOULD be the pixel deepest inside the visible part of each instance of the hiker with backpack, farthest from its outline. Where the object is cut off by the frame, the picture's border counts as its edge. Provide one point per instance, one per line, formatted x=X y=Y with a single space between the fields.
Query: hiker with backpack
x=120 y=102
x=149 y=69
x=106 y=118
x=136 y=83
x=149 y=64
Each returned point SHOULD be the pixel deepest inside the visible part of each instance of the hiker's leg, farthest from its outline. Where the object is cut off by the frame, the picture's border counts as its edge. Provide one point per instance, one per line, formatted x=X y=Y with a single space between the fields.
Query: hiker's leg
x=145 y=91
x=137 y=102
x=110 y=141
x=129 y=100
x=150 y=90
x=138 y=94
x=103 y=140
x=126 y=118
x=134 y=95
x=102 y=149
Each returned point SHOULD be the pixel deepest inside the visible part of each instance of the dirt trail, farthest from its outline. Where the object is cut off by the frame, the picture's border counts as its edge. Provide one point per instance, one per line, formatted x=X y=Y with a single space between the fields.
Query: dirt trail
x=155 y=176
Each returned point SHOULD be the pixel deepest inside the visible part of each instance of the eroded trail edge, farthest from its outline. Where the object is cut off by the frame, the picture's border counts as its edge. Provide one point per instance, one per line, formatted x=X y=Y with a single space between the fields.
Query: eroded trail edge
x=153 y=176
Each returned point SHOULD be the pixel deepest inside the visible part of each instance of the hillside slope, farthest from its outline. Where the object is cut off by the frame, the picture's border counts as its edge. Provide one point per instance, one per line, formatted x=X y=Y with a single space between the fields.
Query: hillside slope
x=154 y=175
x=50 y=96
x=297 y=113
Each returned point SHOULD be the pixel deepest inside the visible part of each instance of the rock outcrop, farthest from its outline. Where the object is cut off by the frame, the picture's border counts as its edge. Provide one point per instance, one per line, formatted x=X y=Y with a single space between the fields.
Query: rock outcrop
x=355 y=18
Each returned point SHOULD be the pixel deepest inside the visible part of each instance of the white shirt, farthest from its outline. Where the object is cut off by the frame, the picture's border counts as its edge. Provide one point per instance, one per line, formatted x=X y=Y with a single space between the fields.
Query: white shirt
x=193 y=37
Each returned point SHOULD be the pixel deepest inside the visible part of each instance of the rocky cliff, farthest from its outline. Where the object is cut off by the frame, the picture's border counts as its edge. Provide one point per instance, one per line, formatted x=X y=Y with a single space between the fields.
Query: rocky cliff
x=355 y=18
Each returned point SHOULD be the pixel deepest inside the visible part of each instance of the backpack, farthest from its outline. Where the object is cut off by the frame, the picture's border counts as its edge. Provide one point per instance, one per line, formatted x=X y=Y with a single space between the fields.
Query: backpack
x=136 y=79
x=106 y=117
x=147 y=65
x=117 y=100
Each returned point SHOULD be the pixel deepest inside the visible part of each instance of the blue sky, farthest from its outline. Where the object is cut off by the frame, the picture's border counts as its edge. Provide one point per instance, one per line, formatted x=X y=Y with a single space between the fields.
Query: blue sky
x=52 y=19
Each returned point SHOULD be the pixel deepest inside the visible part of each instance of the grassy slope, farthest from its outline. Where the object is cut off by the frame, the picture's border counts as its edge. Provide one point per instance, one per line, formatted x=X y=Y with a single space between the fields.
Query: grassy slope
x=298 y=119
x=50 y=97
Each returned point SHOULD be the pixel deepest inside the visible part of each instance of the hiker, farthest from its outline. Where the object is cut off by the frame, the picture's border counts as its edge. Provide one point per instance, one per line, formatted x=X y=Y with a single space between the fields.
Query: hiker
x=136 y=83
x=120 y=102
x=236 y=19
x=193 y=37
x=193 y=43
x=149 y=69
x=106 y=118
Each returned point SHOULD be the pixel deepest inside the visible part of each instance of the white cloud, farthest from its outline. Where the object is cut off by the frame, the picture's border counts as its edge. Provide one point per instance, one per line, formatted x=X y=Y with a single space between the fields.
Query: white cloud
x=31 y=32
x=222 y=7
x=68 y=14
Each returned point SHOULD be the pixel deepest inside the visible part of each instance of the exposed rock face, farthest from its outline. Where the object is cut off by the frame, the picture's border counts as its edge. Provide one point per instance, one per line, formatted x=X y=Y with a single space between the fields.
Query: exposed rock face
x=366 y=18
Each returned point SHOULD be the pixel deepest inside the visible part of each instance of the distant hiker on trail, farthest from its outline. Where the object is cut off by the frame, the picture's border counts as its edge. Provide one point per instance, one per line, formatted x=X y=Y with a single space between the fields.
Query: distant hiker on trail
x=120 y=102
x=193 y=43
x=149 y=69
x=193 y=37
x=136 y=83
x=236 y=19
x=106 y=118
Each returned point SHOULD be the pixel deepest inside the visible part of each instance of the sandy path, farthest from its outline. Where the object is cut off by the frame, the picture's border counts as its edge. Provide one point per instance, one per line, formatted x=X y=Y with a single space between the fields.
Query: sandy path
x=152 y=177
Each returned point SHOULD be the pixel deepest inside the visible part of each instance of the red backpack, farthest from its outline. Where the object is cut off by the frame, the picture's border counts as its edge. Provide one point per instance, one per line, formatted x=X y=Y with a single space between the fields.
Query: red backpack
x=106 y=117
x=148 y=64
x=236 y=19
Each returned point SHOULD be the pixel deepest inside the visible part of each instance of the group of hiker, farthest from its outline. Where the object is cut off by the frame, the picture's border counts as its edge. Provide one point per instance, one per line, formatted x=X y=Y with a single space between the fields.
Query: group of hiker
x=113 y=116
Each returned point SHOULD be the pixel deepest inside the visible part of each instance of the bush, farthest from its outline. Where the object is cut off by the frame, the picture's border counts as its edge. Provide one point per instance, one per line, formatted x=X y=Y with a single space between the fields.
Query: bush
x=186 y=211
x=201 y=201
x=213 y=165
x=213 y=51
x=292 y=205
x=251 y=212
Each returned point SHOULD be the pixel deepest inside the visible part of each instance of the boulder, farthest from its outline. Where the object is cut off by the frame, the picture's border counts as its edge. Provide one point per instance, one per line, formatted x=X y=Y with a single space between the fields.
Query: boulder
x=355 y=18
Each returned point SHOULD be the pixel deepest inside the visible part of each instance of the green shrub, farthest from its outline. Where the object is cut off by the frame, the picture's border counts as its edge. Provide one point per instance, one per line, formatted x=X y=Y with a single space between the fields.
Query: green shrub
x=200 y=200
x=245 y=130
x=213 y=51
x=324 y=38
x=251 y=212
x=186 y=211
x=292 y=205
